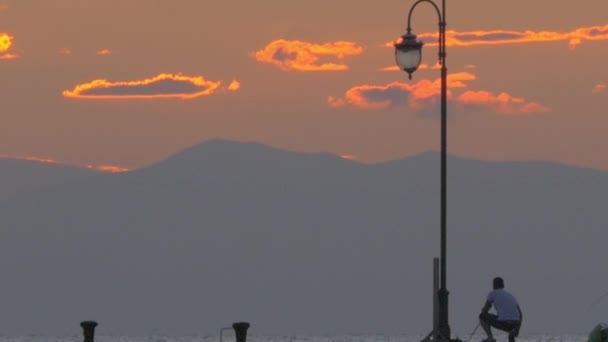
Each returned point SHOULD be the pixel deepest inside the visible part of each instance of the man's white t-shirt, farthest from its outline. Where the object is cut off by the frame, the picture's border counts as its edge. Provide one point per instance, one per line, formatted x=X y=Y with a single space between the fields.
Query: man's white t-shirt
x=505 y=304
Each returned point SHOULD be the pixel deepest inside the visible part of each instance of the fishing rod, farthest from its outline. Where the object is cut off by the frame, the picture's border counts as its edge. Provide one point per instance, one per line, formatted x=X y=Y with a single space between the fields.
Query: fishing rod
x=597 y=301
x=473 y=333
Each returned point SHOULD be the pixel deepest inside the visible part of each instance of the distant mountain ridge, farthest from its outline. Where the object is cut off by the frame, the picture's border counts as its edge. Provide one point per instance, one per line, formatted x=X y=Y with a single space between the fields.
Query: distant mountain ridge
x=19 y=177
x=301 y=243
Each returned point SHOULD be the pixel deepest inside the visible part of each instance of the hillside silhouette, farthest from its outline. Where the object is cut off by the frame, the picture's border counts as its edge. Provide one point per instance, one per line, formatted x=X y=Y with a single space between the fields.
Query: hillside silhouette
x=301 y=243
x=21 y=177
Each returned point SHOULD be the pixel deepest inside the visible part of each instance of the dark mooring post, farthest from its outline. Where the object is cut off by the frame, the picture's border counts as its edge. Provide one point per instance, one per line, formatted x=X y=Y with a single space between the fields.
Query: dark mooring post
x=240 y=330
x=88 y=330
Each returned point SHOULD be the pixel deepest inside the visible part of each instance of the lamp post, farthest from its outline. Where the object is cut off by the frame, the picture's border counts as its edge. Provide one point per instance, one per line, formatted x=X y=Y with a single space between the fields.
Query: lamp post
x=408 y=54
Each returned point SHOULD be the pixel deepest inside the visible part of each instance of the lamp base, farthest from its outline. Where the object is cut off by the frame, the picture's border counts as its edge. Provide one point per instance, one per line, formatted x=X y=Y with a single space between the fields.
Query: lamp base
x=435 y=336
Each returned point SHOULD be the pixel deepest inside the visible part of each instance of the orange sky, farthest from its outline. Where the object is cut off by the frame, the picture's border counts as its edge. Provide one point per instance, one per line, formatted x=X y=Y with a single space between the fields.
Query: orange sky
x=527 y=79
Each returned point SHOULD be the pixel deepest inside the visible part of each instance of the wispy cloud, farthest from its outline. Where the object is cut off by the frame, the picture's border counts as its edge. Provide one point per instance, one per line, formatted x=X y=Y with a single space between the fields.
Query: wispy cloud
x=397 y=93
x=234 y=85
x=6 y=42
x=425 y=94
x=8 y=56
x=306 y=56
x=102 y=168
x=392 y=68
x=65 y=51
x=599 y=88
x=348 y=156
x=158 y=87
x=109 y=168
x=502 y=103
x=501 y=37
x=104 y=52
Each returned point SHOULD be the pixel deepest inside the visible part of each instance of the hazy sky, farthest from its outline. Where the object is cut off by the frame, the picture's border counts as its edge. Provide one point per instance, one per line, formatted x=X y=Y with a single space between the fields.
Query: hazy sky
x=129 y=82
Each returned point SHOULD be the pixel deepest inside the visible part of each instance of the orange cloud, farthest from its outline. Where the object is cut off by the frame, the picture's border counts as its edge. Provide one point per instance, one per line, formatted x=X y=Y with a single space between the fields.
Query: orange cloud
x=102 y=168
x=108 y=168
x=160 y=86
x=397 y=93
x=501 y=37
x=65 y=51
x=8 y=56
x=426 y=93
x=305 y=56
x=502 y=103
x=3 y=7
x=104 y=52
x=336 y=102
x=600 y=87
x=533 y=107
x=348 y=157
x=37 y=159
x=392 y=68
x=6 y=42
x=234 y=85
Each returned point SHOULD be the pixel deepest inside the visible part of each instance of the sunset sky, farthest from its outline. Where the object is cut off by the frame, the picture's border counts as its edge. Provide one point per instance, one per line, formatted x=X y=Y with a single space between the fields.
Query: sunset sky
x=122 y=84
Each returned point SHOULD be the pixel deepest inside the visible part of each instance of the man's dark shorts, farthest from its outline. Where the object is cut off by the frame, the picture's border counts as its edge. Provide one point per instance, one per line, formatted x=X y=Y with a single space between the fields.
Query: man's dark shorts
x=508 y=326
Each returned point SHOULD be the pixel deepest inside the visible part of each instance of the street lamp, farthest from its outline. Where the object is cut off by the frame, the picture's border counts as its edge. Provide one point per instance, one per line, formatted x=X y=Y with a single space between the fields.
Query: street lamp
x=408 y=54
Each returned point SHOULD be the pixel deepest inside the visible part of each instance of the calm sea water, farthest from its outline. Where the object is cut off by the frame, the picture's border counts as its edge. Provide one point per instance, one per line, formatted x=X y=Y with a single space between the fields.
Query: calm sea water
x=254 y=338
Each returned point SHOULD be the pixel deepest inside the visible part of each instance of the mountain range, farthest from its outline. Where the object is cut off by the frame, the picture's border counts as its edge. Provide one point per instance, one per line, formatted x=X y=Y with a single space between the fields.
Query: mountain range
x=296 y=243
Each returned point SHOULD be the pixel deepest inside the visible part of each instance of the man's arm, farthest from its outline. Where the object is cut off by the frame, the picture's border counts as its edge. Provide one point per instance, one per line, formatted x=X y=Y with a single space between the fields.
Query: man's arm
x=521 y=315
x=486 y=307
x=521 y=319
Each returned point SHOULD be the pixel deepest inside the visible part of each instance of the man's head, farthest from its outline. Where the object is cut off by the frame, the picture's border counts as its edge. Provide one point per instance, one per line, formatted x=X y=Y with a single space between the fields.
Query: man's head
x=498 y=283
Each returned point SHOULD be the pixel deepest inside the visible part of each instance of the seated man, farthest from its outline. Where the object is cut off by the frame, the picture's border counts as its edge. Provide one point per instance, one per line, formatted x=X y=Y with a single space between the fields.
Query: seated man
x=509 y=315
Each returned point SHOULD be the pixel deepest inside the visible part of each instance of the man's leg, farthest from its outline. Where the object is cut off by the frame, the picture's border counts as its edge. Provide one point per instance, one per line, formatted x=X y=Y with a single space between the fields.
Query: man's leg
x=511 y=327
x=485 y=320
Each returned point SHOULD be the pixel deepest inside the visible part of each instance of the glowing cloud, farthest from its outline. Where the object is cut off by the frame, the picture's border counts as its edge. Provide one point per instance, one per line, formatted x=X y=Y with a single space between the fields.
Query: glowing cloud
x=65 y=51
x=426 y=93
x=8 y=56
x=502 y=103
x=305 y=56
x=397 y=93
x=234 y=85
x=600 y=87
x=102 y=168
x=391 y=68
x=348 y=156
x=108 y=168
x=6 y=42
x=37 y=159
x=501 y=37
x=158 y=87
x=104 y=52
